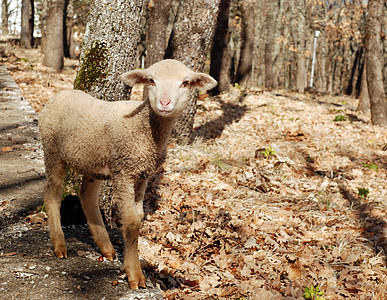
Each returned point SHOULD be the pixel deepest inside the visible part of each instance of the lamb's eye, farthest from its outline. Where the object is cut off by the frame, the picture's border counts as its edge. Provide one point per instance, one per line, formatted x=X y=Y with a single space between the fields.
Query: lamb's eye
x=184 y=83
x=151 y=81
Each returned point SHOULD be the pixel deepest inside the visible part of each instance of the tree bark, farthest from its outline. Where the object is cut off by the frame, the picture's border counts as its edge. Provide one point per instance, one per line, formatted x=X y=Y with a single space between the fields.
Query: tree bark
x=243 y=75
x=43 y=23
x=299 y=41
x=156 y=36
x=27 y=24
x=364 y=99
x=374 y=58
x=68 y=42
x=269 y=46
x=189 y=43
x=4 y=17
x=156 y=39
x=321 y=82
x=360 y=68
x=109 y=48
x=220 y=57
x=53 y=46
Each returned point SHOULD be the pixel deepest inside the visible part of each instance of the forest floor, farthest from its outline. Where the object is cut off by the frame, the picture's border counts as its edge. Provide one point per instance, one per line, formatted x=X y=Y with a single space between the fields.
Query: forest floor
x=278 y=193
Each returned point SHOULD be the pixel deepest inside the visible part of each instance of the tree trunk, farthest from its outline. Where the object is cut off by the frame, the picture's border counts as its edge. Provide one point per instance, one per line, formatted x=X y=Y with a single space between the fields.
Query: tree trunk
x=301 y=73
x=109 y=48
x=156 y=40
x=269 y=46
x=156 y=37
x=4 y=17
x=68 y=42
x=189 y=43
x=352 y=80
x=364 y=99
x=43 y=23
x=373 y=50
x=299 y=41
x=243 y=75
x=321 y=82
x=53 y=45
x=357 y=87
x=220 y=57
x=27 y=24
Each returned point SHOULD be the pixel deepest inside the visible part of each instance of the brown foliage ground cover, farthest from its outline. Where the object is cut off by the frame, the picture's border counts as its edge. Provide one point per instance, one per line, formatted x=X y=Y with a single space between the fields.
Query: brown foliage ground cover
x=272 y=197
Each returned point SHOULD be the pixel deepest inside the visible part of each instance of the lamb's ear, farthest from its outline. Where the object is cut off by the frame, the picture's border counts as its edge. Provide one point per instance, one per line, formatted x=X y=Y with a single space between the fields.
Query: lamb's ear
x=202 y=81
x=137 y=77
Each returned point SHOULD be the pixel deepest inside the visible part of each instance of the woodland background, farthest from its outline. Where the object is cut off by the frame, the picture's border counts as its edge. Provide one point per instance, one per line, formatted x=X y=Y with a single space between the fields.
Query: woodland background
x=257 y=43
x=282 y=186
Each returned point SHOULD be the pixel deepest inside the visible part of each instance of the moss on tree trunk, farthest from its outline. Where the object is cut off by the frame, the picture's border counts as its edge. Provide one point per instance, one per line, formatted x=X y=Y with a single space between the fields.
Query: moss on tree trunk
x=93 y=67
x=109 y=48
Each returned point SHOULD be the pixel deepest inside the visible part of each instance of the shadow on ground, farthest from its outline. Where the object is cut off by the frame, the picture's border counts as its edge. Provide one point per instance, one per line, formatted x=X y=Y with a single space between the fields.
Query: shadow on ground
x=31 y=271
x=371 y=226
x=231 y=113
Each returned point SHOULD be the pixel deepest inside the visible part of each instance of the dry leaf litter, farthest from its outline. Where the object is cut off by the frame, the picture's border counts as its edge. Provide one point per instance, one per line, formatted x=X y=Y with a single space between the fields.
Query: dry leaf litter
x=272 y=197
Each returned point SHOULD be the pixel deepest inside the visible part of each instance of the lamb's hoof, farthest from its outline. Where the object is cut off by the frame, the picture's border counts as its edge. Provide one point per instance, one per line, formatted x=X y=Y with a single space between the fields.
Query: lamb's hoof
x=110 y=256
x=134 y=285
x=61 y=252
x=136 y=277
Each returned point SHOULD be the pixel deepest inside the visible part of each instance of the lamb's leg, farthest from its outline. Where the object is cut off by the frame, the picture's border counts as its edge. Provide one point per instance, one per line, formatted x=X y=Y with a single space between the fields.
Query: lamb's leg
x=52 y=202
x=89 y=201
x=131 y=215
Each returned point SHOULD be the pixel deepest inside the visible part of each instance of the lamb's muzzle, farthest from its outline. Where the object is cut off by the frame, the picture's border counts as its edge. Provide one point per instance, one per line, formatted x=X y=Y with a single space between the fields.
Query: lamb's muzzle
x=124 y=141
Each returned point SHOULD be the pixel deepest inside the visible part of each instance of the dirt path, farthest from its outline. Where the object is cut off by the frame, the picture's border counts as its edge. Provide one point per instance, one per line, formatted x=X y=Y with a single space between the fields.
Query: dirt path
x=21 y=162
x=29 y=270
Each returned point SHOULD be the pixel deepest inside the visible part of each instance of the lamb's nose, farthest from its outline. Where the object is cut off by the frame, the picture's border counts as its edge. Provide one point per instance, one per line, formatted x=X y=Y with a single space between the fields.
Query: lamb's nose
x=165 y=100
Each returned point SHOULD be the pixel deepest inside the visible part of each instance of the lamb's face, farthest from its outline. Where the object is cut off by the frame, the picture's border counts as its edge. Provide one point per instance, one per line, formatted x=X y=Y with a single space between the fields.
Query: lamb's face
x=169 y=84
x=168 y=96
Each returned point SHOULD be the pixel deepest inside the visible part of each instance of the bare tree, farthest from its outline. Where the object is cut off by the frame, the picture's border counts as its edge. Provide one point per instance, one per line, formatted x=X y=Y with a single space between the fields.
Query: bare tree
x=299 y=42
x=156 y=36
x=189 y=42
x=53 y=44
x=156 y=39
x=374 y=58
x=220 y=57
x=356 y=67
x=4 y=17
x=243 y=75
x=364 y=98
x=68 y=43
x=27 y=24
x=109 y=48
x=270 y=8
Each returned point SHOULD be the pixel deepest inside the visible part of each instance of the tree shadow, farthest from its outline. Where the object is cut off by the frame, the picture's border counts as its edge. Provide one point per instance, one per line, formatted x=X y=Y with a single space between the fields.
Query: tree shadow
x=352 y=117
x=166 y=280
x=152 y=194
x=214 y=128
x=371 y=226
x=355 y=118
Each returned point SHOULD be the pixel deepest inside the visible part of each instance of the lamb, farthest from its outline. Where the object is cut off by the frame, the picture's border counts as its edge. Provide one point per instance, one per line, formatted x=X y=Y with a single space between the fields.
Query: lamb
x=124 y=141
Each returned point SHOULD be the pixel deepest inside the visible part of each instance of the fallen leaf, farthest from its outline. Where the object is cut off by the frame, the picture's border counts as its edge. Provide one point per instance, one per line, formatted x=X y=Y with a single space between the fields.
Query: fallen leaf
x=38 y=218
x=294 y=272
x=6 y=149
x=246 y=271
x=251 y=243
